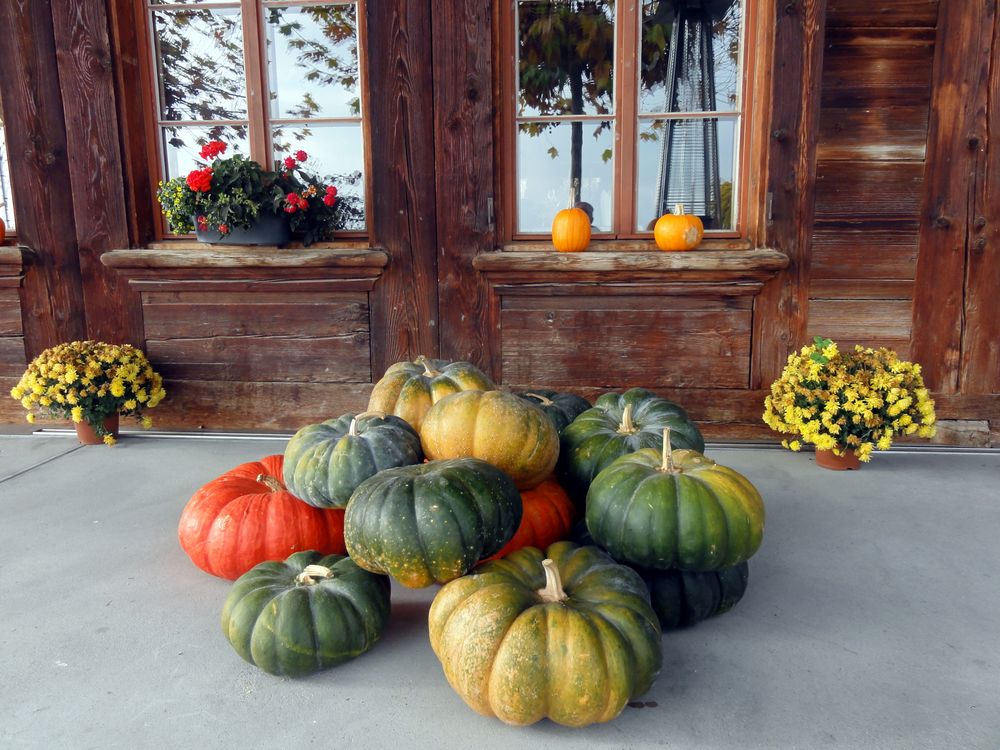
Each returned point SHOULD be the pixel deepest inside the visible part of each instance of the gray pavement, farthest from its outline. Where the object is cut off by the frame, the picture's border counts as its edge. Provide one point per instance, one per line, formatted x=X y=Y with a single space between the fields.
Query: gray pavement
x=872 y=620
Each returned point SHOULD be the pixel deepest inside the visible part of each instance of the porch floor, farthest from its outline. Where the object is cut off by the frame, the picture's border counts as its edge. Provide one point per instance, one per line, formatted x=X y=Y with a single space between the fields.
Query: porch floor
x=871 y=620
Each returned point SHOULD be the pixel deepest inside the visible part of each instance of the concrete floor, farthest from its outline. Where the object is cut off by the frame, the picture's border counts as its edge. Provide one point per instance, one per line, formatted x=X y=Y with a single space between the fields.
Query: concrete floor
x=872 y=620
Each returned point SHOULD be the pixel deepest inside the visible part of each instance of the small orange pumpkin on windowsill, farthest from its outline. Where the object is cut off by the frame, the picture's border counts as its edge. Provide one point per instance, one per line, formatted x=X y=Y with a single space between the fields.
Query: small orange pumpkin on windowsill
x=678 y=231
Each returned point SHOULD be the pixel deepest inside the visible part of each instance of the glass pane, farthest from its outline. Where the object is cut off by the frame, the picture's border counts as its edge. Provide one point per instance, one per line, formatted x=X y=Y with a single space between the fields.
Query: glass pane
x=182 y=144
x=566 y=51
x=336 y=156
x=550 y=158
x=688 y=162
x=690 y=56
x=312 y=56
x=200 y=64
x=6 y=204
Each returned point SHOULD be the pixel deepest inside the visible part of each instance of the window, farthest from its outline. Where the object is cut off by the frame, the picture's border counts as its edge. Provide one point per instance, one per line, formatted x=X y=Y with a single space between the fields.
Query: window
x=631 y=108
x=268 y=77
x=6 y=200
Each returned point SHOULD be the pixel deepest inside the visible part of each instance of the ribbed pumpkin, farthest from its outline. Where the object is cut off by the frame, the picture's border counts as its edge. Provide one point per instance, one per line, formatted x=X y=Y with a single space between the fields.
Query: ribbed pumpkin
x=431 y=522
x=675 y=509
x=678 y=231
x=548 y=516
x=306 y=613
x=620 y=423
x=561 y=408
x=571 y=230
x=496 y=427
x=246 y=517
x=409 y=389
x=325 y=462
x=681 y=599
x=567 y=634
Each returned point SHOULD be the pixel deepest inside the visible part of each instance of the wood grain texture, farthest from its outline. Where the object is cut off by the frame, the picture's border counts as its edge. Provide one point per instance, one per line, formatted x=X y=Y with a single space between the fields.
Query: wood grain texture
x=881 y=133
x=957 y=137
x=781 y=310
x=840 y=253
x=12 y=359
x=871 y=191
x=981 y=335
x=202 y=256
x=404 y=219
x=464 y=176
x=10 y=313
x=877 y=68
x=882 y=13
x=52 y=294
x=97 y=189
x=867 y=322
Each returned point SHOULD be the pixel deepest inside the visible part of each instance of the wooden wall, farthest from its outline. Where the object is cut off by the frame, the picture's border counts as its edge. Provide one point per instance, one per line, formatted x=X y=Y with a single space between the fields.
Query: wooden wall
x=876 y=159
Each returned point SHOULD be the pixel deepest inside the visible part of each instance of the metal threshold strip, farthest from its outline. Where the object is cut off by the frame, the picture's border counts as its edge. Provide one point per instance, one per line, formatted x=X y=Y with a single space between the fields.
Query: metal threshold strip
x=749 y=444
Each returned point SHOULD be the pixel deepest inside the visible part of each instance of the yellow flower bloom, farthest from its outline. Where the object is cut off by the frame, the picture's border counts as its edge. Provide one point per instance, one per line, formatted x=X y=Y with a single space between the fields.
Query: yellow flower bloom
x=77 y=413
x=147 y=422
x=30 y=417
x=109 y=440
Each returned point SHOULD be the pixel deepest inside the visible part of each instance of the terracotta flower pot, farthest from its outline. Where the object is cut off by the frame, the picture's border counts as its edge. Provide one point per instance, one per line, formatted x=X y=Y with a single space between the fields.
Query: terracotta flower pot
x=86 y=434
x=829 y=460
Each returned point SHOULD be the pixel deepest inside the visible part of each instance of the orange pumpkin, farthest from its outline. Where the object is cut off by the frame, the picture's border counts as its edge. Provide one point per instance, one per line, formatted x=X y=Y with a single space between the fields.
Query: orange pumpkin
x=571 y=230
x=548 y=517
x=678 y=231
x=246 y=517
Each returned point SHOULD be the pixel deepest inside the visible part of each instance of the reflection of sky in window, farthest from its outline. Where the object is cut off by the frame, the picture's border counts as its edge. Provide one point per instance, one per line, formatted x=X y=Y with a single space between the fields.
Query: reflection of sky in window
x=7 y=207
x=293 y=36
x=183 y=143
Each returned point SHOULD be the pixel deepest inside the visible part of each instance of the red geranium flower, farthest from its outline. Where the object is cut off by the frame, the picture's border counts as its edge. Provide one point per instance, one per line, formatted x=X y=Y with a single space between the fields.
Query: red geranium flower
x=223 y=228
x=200 y=180
x=289 y=162
x=291 y=209
x=212 y=149
x=330 y=199
x=202 y=224
x=301 y=155
x=292 y=197
x=331 y=190
x=303 y=204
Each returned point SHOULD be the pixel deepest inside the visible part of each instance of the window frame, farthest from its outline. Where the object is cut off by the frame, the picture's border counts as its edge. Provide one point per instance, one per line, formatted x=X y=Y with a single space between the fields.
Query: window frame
x=258 y=109
x=11 y=228
x=748 y=167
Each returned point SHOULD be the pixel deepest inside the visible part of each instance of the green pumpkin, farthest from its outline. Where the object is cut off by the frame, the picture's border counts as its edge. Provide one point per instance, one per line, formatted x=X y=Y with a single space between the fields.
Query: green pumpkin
x=410 y=389
x=675 y=509
x=620 y=423
x=433 y=522
x=680 y=598
x=324 y=463
x=305 y=614
x=561 y=408
x=567 y=634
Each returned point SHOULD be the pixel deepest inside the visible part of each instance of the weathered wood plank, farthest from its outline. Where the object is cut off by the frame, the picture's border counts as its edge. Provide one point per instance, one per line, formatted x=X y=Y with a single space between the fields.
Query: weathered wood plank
x=981 y=337
x=864 y=253
x=464 y=177
x=404 y=220
x=242 y=257
x=883 y=133
x=957 y=135
x=96 y=186
x=624 y=301
x=856 y=289
x=36 y=142
x=873 y=68
x=867 y=322
x=330 y=359
x=874 y=189
x=763 y=260
x=627 y=347
x=12 y=358
x=724 y=290
x=782 y=308
x=10 y=314
x=255 y=318
x=882 y=14
x=208 y=404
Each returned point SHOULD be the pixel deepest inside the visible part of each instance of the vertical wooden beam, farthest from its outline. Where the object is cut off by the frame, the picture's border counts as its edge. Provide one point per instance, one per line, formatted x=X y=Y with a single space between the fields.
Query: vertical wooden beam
x=463 y=128
x=955 y=139
x=52 y=300
x=781 y=310
x=404 y=221
x=981 y=337
x=96 y=184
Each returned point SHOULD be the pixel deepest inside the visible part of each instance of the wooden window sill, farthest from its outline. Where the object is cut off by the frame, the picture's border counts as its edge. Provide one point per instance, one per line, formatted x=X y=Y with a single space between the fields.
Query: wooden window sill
x=184 y=254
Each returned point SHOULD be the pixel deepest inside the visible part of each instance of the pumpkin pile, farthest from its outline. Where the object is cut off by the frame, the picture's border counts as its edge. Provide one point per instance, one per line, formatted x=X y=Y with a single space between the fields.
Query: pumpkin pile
x=445 y=479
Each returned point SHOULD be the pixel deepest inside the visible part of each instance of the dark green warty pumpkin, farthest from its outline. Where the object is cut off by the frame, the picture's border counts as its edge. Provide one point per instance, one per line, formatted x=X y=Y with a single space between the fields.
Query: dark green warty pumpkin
x=431 y=522
x=620 y=423
x=567 y=634
x=305 y=614
x=561 y=408
x=675 y=509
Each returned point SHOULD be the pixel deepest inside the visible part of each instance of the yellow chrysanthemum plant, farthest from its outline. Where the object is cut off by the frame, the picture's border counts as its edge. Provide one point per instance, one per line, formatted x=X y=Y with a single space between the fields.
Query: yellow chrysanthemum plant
x=848 y=401
x=88 y=381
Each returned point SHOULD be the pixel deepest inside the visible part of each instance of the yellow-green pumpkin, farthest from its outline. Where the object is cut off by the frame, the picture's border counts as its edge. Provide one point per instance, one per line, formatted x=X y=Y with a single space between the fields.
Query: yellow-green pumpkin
x=494 y=426
x=675 y=509
x=567 y=634
x=409 y=389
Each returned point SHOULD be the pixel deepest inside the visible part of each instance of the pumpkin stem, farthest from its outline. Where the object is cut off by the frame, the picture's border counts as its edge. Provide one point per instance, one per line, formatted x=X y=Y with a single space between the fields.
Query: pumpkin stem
x=679 y=209
x=627 y=427
x=540 y=397
x=313 y=574
x=428 y=370
x=553 y=591
x=352 y=431
x=668 y=454
x=272 y=483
